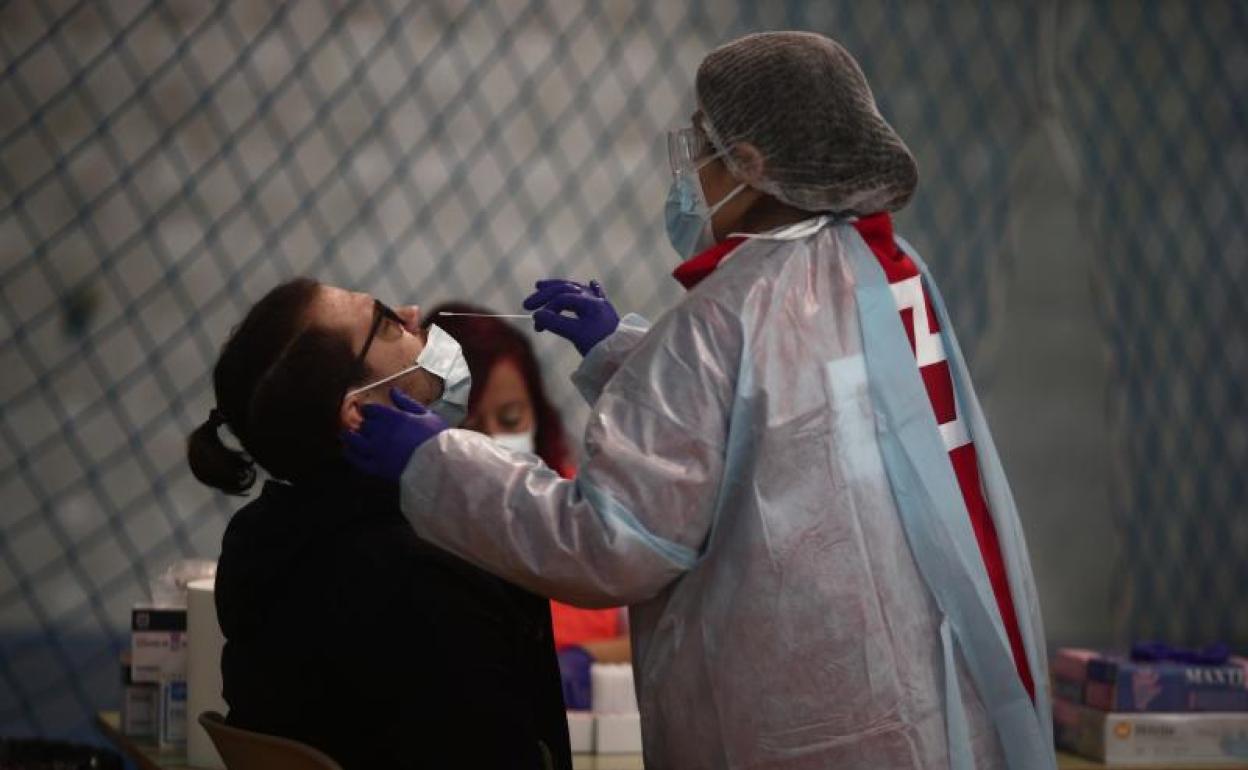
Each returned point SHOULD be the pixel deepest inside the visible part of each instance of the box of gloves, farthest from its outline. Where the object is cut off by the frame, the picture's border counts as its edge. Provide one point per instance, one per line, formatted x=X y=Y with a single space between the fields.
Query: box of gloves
x=1152 y=680
x=1155 y=706
x=157 y=643
x=1151 y=740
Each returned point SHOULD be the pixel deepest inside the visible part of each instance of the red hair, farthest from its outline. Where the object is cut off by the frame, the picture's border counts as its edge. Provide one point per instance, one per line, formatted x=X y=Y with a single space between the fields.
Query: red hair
x=487 y=341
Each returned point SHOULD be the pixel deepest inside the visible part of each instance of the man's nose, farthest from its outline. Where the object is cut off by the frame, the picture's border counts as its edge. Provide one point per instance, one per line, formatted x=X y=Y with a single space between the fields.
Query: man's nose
x=411 y=317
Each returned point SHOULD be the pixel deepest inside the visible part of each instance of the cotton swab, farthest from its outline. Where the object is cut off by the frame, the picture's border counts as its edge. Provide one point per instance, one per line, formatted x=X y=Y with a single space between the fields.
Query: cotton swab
x=487 y=315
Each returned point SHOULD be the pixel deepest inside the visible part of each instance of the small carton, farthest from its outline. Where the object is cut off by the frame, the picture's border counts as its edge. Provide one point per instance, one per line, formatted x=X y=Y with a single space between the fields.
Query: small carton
x=1150 y=739
x=1117 y=683
x=581 y=732
x=172 y=715
x=617 y=733
x=139 y=703
x=157 y=643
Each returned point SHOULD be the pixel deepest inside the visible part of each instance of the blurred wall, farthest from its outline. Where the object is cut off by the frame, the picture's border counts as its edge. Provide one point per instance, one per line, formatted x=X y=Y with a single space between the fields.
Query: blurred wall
x=163 y=164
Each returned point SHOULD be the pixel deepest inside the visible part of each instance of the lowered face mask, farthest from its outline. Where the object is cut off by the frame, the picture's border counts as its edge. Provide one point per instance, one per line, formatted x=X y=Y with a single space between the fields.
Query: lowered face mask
x=443 y=358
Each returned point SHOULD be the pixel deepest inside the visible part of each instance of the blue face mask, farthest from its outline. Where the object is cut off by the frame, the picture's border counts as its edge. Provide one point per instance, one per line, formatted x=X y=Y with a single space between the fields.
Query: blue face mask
x=687 y=216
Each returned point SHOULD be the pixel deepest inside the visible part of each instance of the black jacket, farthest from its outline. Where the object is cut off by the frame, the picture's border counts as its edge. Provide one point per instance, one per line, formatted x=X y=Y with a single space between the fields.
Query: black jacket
x=346 y=631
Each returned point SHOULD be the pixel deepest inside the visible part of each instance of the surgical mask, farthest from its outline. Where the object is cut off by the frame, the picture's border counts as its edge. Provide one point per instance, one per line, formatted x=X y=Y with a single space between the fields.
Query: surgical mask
x=688 y=218
x=444 y=358
x=516 y=442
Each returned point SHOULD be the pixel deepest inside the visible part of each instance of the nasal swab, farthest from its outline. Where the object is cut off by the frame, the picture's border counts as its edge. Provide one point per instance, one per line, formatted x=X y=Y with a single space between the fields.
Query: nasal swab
x=486 y=315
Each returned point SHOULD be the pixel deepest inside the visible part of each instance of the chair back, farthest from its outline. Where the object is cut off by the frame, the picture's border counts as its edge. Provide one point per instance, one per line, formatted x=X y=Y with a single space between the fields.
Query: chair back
x=245 y=750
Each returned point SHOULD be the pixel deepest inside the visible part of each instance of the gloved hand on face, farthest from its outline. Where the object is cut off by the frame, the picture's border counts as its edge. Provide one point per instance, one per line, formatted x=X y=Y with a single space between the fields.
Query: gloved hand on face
x=388 y=437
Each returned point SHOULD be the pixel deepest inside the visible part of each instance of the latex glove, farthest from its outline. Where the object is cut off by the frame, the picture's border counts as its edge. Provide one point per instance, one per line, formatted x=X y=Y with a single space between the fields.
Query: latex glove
x=574 y=667
x=594 y=317
x=385 y=442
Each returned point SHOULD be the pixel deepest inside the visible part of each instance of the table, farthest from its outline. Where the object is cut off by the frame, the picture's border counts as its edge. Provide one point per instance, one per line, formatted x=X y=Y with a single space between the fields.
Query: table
x=146 y=755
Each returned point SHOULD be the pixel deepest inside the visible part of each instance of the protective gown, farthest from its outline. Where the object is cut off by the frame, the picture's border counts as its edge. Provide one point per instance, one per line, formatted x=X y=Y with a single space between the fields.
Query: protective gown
x=766 y=487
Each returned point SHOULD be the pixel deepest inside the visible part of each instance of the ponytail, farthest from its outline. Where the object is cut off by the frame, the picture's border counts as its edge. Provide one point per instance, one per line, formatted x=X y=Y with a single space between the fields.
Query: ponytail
x=215 y=464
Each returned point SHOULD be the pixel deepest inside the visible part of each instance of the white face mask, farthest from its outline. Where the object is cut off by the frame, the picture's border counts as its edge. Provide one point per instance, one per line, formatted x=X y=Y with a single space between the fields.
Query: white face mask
x=444 y=358
x=517 y=442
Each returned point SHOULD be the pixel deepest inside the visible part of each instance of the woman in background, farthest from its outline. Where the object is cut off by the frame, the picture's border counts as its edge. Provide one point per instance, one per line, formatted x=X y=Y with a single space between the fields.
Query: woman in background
x=509 y=404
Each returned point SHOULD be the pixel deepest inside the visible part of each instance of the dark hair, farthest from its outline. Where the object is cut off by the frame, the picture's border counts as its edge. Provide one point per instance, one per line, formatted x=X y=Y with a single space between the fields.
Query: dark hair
x=279 y=384
x=486 y=341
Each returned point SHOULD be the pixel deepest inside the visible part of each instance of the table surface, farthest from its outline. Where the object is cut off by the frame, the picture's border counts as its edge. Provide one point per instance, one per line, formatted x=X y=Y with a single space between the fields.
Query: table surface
x=145 y=754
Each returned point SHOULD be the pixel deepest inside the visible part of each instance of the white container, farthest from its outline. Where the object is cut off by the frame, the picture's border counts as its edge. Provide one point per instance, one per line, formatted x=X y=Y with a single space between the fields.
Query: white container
x=613 y=691
x=581 y=732
x=618 y=733
x=203 y=671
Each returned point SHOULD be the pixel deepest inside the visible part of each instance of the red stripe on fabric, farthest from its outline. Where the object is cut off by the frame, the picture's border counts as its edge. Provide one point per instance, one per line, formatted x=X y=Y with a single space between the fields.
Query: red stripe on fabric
x=933 y=325
x=692 y=271
x=907 y=321
x=966 y=467
x=940 y=391
x=877 y=231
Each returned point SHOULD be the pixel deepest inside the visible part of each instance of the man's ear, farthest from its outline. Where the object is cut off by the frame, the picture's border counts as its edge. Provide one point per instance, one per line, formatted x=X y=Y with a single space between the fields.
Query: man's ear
x=350 y=416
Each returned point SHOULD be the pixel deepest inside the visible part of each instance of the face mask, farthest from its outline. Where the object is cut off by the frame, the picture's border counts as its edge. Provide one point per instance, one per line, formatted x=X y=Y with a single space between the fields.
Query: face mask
x=687 y=216
x=516 y=442
x=443 y=358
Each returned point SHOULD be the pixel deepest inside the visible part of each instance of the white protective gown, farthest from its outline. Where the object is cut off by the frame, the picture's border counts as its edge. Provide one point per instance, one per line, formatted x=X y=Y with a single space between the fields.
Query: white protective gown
x=766 y=487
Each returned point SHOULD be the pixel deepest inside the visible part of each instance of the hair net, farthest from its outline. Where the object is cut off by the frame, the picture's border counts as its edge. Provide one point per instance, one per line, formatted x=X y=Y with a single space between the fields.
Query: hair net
x=803 y=102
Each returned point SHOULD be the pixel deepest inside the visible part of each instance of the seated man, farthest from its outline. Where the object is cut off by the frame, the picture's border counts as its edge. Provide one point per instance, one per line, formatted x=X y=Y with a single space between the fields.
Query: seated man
x=343 y=629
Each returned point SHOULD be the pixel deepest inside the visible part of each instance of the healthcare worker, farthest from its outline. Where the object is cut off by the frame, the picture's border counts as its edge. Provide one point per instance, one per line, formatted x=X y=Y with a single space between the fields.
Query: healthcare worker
x=788 y=477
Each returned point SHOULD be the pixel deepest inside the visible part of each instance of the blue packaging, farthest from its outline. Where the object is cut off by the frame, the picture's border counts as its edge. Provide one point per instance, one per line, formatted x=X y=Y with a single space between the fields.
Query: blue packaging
x=1119 y=684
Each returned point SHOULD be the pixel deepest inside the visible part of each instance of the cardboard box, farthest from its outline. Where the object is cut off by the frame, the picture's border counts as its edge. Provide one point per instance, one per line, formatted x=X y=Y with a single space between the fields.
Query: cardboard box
x=617 y=733
x=139 y=703
x=581 y=732
x=1071 y=663
x=157 y=643
x=171 y=732
x=1119 y=684
x=1151 y=740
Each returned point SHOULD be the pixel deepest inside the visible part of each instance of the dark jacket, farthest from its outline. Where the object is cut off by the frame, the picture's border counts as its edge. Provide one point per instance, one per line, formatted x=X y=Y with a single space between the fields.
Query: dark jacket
x=346 y=631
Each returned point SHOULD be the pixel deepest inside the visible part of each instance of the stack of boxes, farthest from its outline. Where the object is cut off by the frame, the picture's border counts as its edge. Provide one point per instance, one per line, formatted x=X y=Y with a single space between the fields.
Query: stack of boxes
x=613 y=725
x=1150 y=713
x=154 y=680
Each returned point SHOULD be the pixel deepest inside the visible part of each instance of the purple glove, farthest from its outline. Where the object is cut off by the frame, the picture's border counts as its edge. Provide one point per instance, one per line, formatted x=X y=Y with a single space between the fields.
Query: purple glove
x=388 y=437
x=593 y=319
x=574 y=666
x=1213 y=655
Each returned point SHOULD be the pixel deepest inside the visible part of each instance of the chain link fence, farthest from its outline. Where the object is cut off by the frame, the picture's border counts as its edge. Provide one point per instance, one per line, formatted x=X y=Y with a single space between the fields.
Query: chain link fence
x=1155 y=95
x=163 y=164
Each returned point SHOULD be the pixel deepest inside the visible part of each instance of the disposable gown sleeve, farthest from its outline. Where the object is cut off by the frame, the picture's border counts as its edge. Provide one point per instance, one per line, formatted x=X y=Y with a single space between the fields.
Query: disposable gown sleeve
x=605 y=358
x=639 y=512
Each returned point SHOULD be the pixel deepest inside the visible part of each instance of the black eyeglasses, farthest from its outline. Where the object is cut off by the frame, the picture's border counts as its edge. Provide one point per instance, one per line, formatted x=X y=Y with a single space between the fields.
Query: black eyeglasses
x=381 y=314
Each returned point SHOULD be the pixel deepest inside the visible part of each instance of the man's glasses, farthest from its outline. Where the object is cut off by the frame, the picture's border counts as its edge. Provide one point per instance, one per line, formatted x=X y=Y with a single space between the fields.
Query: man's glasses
x=381 y=315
